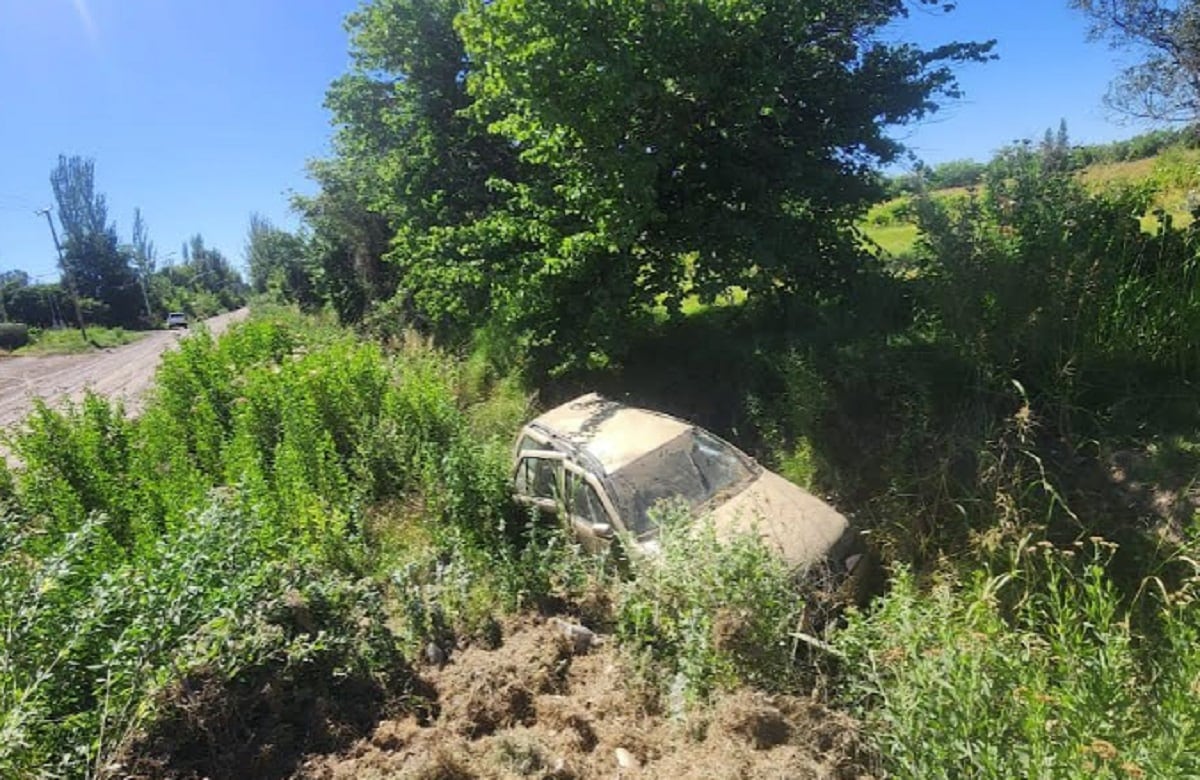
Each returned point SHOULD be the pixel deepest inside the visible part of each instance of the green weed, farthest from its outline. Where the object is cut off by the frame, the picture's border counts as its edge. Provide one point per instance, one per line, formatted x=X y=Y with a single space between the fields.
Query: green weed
x=88 y=640
x=67 y=341
x=714 y=614
x=168 y=547
x=1034 y=671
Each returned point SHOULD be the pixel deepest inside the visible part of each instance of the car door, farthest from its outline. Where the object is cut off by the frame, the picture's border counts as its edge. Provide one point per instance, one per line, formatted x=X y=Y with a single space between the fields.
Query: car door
x=589 y=515
x=538 y=480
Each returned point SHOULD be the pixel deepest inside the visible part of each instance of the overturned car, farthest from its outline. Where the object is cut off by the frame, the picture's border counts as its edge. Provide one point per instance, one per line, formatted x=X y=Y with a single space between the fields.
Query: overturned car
x=601 y=467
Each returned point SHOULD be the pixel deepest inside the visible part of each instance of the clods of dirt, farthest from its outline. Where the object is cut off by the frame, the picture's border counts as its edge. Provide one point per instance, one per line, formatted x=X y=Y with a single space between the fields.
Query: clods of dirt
x=541 y=705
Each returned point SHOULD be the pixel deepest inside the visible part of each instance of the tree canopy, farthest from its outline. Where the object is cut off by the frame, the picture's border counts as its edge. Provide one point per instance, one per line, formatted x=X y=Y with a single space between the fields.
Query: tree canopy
x=563 y=168
x=93 y=262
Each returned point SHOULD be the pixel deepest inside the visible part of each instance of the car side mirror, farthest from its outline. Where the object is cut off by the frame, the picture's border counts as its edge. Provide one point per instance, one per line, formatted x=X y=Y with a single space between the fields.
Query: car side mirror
x=602 y=530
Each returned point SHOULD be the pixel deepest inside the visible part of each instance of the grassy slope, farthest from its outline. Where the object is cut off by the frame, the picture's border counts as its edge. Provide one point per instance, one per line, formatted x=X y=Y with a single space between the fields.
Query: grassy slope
x=247 y=572
x=1174 y=173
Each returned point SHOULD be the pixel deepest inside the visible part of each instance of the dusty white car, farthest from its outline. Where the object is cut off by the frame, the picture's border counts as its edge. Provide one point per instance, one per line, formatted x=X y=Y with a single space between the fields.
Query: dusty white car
x=601 y=466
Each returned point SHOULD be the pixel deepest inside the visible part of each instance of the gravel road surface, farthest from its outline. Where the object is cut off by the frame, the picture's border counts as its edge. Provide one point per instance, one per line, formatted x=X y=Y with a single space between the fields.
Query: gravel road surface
x=121 y=372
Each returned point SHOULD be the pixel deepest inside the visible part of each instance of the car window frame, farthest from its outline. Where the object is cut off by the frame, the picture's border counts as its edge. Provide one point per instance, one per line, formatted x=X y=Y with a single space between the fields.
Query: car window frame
x=548 y=504
x=594 y=482
x=531 y=433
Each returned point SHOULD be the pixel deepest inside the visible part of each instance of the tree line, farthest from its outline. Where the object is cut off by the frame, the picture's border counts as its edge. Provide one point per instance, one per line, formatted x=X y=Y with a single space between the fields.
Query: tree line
x=1057 y=152
x=561 y=172
x=109 y=282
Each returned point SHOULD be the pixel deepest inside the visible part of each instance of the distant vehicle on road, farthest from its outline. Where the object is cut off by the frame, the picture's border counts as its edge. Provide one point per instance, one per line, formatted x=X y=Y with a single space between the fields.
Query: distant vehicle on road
x=177 y=319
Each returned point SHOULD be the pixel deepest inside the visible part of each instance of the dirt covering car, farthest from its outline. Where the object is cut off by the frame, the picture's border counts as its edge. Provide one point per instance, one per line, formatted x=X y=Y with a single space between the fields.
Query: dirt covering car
x=602 y=467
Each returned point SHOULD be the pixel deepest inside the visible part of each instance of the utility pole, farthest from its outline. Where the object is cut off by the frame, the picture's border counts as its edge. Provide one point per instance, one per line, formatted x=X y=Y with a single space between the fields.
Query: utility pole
x=68 y=278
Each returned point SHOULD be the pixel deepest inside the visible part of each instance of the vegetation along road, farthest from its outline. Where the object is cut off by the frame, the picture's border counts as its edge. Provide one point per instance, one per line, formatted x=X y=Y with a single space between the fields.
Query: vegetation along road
x=123 y=373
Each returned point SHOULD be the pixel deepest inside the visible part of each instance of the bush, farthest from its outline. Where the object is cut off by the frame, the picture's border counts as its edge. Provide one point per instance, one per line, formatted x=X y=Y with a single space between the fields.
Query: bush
x=1033 y=672
x=211 y=549
x=712 y=615
x=311 y=427
x=92 y=641
x=957 y=173
x=1041 y=280
x=13 y=335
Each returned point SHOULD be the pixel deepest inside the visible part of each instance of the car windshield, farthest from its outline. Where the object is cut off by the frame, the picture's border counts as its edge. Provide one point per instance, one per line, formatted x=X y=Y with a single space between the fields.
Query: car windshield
x=694 y=467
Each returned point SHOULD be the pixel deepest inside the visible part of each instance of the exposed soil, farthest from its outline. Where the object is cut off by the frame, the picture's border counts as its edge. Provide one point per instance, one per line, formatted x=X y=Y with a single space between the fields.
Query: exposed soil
x=122 y=373
x=540 y=704
x=537 y=707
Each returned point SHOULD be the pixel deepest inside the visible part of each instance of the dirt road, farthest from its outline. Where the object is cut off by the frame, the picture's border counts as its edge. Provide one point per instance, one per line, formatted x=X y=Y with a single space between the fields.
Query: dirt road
x=123 y=372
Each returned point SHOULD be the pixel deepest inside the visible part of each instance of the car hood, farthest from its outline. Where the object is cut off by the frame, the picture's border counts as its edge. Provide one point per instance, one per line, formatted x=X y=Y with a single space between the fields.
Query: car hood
x=797 y=524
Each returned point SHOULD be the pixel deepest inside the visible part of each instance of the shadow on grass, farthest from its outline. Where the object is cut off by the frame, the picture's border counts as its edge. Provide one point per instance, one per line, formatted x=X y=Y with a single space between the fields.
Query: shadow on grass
x=909 y=436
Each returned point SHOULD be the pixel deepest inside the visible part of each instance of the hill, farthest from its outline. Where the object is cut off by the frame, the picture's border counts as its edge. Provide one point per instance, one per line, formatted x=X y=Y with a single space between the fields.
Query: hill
x=1172 y=176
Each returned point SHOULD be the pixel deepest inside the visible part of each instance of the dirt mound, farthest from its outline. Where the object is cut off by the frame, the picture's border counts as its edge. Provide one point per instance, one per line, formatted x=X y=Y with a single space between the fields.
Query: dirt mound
x=259 y=726
x=319 y=673
x=544 y=704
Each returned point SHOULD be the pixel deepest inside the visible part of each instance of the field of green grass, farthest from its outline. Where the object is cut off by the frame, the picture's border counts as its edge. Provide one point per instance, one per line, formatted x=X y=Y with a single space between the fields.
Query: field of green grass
x=66 y=341
x=1174 y=176
x=893 y=240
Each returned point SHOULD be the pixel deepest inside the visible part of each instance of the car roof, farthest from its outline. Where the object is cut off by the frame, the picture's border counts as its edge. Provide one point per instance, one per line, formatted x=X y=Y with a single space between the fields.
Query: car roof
x=611 y=432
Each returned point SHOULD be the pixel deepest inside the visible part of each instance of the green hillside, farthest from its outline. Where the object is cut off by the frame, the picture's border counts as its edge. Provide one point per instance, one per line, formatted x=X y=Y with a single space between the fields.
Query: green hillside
x=1169 y=176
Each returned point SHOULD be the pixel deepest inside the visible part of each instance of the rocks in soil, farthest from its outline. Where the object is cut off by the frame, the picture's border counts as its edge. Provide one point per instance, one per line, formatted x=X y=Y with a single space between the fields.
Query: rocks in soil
x=537 y=707
x=579 y=638
x=626 y=760
x=435 y=655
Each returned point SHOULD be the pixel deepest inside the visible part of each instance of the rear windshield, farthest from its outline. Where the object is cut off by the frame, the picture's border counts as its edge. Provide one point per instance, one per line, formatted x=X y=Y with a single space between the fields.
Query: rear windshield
x=694 y=466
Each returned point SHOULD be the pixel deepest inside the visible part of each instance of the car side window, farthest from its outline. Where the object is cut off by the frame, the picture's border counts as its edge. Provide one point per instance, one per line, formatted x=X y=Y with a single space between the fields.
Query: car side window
x=536 y=478
x=585 y=503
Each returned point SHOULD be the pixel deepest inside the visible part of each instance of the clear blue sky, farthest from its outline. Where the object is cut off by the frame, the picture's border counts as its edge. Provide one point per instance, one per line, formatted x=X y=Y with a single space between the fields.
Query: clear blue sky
x=202 y=111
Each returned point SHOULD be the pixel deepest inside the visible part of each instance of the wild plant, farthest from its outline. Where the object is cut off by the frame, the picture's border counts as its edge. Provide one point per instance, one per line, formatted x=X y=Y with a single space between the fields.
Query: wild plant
x=717 y=613
x=1030 y=670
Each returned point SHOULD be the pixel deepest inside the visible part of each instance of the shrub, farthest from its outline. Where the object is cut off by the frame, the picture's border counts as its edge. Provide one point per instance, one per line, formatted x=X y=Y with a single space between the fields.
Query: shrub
x=13 y=335
x=1041 y=280
x=91 y=640
x=216 y=540
x=76 y=461
x=712 y=614
x=1032 y=672
x=310 y=427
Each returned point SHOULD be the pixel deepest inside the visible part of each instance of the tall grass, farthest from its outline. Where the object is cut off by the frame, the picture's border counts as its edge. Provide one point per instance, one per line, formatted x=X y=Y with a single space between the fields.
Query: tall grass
x=1042 y=279
x=89 y=639
x=711 y=615
x=1036 y=669
x=139 y=553
x=66 y=341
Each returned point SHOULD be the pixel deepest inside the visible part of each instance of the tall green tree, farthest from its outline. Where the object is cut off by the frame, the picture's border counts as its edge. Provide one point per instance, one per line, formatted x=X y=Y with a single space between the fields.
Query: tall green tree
x=350 y=237
x=210 y=271
x=93 y=263
x=411 y=167
x=561 y=167
x=144 y=255
x=741 y=135
x=279 y=262
x=10 y=282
